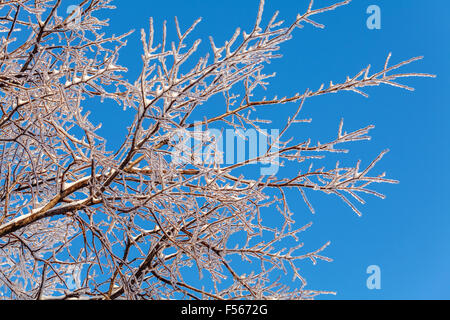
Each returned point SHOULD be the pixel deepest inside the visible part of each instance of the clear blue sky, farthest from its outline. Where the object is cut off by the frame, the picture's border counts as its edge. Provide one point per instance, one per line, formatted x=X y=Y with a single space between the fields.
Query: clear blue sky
x=407 y=235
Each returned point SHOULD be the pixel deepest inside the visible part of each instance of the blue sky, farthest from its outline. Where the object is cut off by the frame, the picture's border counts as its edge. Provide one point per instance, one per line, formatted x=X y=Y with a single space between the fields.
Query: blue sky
x=407 y=234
